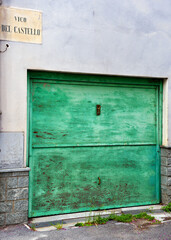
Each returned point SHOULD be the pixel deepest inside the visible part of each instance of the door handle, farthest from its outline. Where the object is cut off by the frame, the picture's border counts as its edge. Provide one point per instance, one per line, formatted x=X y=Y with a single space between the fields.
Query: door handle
x=98 y=108
x=99 y=181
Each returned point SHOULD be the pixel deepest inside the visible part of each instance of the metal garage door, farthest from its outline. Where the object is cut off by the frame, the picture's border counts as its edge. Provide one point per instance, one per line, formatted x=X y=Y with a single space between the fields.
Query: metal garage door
x=94 y=142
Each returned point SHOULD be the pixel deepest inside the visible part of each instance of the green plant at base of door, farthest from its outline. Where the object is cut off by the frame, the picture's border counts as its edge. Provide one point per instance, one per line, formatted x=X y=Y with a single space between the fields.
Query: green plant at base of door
x=58 y=226
x=126 y=218
x=167 y=208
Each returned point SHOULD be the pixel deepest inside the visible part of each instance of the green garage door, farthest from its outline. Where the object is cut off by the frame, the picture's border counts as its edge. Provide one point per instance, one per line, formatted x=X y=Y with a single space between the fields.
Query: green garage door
x=94 y=142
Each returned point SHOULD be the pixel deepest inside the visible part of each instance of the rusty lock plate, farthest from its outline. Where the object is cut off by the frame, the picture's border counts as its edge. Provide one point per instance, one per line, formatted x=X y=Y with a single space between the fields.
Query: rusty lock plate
x=98 y=109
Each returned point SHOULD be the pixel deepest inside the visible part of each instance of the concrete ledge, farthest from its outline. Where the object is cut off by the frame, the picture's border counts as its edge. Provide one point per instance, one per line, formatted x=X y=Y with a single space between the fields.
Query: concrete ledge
x=168 y=147
x=27 y=169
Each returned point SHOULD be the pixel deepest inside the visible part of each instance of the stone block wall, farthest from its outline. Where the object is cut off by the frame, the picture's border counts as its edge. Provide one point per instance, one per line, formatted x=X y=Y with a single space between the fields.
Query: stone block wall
x=166 y=175
x=13 y=196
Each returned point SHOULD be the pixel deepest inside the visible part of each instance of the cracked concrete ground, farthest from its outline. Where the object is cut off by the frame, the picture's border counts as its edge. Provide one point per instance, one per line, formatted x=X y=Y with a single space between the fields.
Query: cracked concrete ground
x=110 y=231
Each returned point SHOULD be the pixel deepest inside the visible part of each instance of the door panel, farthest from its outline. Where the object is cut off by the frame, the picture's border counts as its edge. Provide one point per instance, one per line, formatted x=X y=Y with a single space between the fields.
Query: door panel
x=66 y=179
x=82 y=161
x=66 y=114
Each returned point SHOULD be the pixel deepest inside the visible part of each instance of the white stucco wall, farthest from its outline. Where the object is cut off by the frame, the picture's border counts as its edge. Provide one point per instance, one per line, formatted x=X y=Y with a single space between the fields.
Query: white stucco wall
x=122 y=37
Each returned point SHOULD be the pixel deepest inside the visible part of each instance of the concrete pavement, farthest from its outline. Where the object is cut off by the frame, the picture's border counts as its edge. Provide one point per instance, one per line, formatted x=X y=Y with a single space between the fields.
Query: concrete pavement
x=109 y=231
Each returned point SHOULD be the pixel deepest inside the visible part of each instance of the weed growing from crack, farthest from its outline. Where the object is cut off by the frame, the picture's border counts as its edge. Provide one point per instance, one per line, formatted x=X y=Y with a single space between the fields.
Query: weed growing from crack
x=143 y=215
x=150 y=209
x=33 y=227
x=167 y=208
x=126 y=218
x=58 y=226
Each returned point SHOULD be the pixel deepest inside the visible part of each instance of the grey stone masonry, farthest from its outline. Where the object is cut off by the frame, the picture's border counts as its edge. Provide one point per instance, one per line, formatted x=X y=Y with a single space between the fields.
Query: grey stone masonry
x=166 y=174
x=13 y=196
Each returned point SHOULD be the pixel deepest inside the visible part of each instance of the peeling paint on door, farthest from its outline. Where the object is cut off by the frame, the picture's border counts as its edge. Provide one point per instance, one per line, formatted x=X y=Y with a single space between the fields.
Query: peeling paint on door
x=72 y=146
